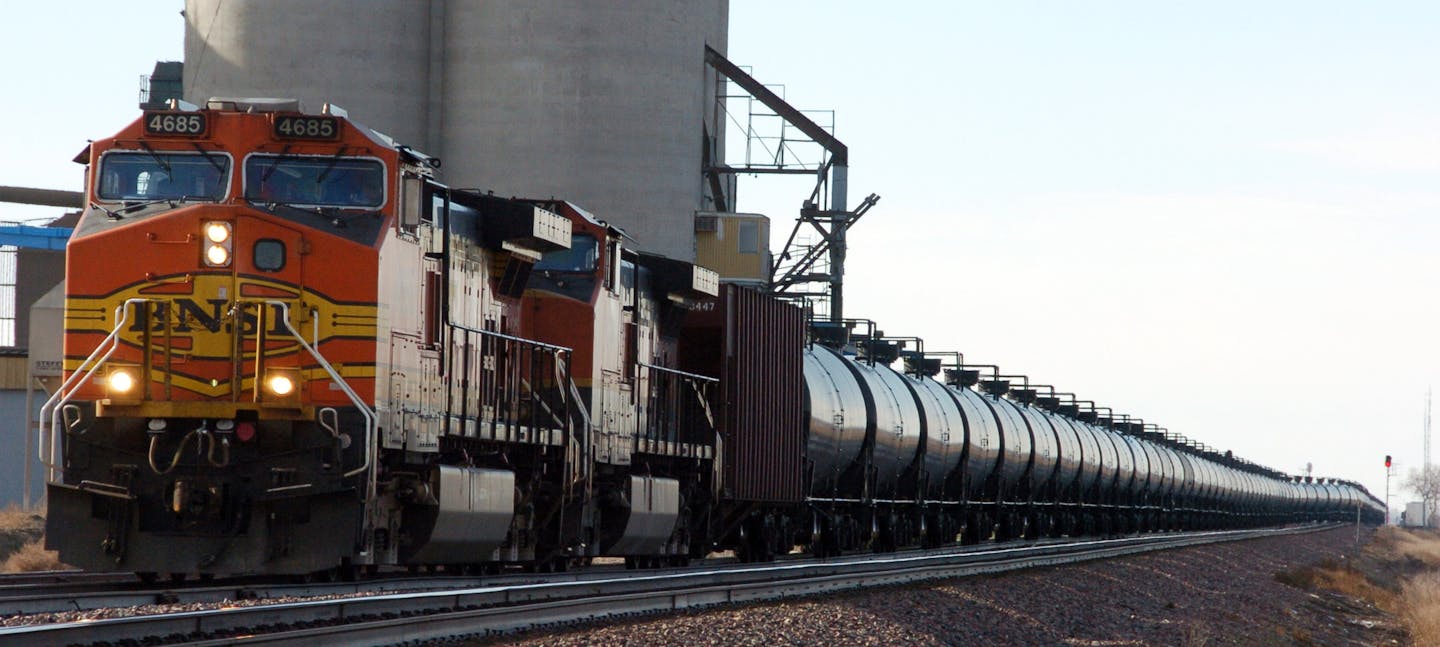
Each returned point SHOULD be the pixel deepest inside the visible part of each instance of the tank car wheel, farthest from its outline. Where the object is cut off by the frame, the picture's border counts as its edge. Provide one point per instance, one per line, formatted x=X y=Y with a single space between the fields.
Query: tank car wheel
x=970 y=528
x=1037 y=525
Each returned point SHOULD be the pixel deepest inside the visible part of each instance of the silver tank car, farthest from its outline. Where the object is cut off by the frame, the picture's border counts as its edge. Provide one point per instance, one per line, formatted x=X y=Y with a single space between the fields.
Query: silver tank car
x=1112 y=469
x=1016 y=445
x=944 y=437
x=854 y=405
x=837 y=420
x=1070 y=454
x=983 y=442
x=1092 y=460
x=1046 y=464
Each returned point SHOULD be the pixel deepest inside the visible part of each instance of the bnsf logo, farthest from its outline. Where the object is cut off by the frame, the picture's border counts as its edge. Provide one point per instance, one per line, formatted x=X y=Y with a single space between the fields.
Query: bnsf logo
x=187 y=315
x=208 y=329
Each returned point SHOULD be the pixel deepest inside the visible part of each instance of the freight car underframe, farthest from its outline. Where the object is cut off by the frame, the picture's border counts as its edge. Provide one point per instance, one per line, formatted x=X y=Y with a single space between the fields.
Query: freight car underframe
x=829 y=527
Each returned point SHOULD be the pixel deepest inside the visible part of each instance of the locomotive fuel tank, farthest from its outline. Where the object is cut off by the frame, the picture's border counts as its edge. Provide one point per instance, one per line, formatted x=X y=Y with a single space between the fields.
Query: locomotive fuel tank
x=468 y=514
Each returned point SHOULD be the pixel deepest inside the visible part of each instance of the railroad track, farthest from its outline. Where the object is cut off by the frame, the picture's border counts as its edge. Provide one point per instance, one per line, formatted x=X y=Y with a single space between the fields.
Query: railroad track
x=496 y=607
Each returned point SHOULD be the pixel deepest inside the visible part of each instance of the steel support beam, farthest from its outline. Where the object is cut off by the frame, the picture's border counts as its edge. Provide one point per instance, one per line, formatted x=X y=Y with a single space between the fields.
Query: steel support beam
x=42 y=197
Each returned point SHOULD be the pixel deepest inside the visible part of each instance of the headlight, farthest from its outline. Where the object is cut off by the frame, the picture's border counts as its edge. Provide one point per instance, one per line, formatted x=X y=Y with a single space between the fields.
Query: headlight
x=280 y=385
x=217 y=255
x=121 y=381
x=122 y=384
x=217 y=232
x=217 y=242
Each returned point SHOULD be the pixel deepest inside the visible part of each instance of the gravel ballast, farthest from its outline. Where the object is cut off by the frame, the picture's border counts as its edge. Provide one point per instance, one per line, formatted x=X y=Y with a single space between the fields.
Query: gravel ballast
x=1220 y=594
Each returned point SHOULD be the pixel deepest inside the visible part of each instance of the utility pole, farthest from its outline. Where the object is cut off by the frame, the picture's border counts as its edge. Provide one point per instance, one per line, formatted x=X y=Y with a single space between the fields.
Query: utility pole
x=1427 y=474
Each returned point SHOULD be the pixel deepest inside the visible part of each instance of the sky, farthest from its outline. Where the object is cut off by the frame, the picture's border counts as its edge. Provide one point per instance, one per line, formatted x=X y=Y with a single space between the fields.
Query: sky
x=1217 y=216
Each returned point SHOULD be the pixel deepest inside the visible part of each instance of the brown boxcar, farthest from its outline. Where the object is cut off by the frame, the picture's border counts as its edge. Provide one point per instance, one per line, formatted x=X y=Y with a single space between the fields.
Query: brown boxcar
x=752 y=343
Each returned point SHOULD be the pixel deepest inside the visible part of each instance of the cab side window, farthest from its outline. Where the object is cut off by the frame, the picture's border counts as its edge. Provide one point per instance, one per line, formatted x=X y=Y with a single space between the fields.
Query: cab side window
x=412 y=204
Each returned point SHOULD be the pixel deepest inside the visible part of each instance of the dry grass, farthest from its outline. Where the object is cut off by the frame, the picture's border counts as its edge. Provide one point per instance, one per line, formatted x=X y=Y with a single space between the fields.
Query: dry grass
x=1348 y=581
x=1423 y=546
x=33 y=557
x=19 y=527
x=1420 y=608
x=1408 y=561
x=15 y=518
x=1341 y=577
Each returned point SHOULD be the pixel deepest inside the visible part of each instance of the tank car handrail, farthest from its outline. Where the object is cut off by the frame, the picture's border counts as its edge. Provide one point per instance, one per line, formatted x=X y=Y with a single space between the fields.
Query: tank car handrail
x=365 y=411
x=74 y=382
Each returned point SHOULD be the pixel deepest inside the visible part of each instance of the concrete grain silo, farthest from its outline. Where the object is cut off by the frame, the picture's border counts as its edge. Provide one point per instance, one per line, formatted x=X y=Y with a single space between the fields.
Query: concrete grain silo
x=604 y=104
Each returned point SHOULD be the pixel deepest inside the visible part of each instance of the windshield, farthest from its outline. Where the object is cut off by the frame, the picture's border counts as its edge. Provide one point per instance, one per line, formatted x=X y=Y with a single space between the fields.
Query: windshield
x=328 y=181
x=142 y=175
x=579 y=258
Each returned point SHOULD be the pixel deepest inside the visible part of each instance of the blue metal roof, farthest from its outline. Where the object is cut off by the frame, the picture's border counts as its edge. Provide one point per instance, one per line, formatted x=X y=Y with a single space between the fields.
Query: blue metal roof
x=52 y=238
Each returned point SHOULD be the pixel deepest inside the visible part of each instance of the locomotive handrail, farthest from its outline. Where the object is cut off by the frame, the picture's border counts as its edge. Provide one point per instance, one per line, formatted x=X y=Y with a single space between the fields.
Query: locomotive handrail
x=74 y=382
x=561 y=355
x=367 y=412
x=501 y=335
x=693 y=376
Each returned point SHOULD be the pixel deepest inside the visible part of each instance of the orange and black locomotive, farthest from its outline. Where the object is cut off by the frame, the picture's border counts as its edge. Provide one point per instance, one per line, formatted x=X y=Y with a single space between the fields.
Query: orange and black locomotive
x=289 y=349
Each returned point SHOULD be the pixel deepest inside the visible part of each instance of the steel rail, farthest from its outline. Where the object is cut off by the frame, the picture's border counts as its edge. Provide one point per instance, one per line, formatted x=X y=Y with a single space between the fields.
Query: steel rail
x=110 y=590
x=495 y=609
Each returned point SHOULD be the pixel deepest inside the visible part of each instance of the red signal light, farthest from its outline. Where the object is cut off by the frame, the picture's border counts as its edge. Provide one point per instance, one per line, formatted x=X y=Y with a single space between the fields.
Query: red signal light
x=1387 y=460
